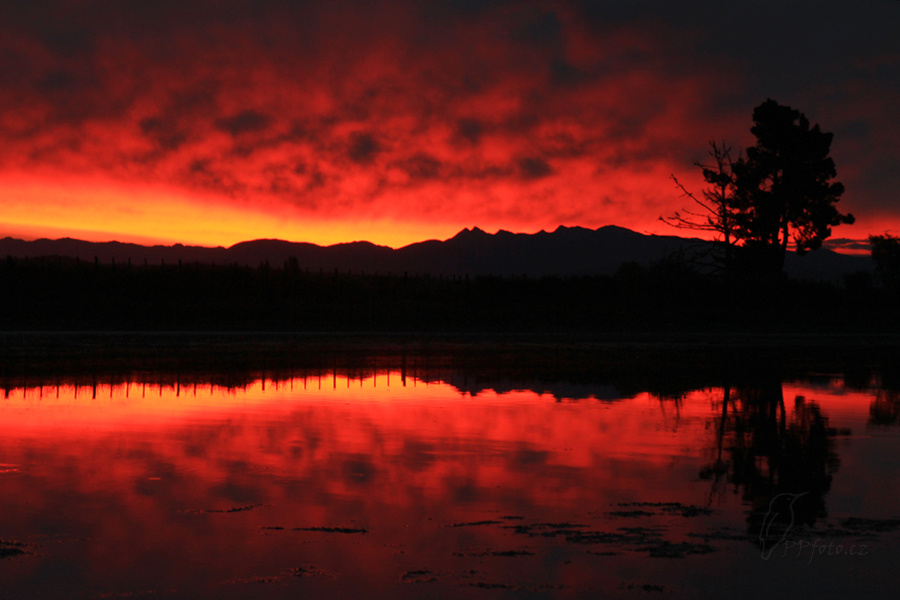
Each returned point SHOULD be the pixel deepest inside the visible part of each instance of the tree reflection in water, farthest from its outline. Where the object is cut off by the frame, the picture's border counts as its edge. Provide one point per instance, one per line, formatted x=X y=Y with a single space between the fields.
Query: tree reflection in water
x=773 y=456
x=885 y=408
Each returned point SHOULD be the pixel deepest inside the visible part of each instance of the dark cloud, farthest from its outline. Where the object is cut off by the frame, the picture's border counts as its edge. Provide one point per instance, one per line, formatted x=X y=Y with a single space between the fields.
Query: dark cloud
x=421 y=166
x=165 y=133
x=67 y=39
x=203 y=173
x=531 y=167
x=178 y=119
x=481 y=172
x=470 y=130
x=247 y=121
x=563 y=73
x=56 y=81
x=315 y=180
x=851 y=245
x=880 y=175
x=362 y=148
x=538 y=27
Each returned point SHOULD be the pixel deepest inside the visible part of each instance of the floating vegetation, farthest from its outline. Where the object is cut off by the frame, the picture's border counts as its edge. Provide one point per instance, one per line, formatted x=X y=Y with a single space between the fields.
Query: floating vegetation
x=640 y=539
x=332 y=529
x=422 y=576
x=631 y=513
x=495 y=586
x=10 y=548
x=311 y=571
x=646 y=587
x=724 y=534
x=670 y=508
x=475 y=523
x=254 y=579
x=623 y=535
x=547 y=529
x=496 y=553
x=667 y=549
x=861 y=525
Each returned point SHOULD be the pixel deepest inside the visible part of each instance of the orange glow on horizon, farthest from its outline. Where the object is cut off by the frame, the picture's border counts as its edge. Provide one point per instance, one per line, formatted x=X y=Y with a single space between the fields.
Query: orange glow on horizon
x=101 y=211
x=162 y=216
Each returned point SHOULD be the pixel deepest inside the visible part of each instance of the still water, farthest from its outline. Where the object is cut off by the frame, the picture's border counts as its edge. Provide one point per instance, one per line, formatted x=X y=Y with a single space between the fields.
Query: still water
x=389 y=485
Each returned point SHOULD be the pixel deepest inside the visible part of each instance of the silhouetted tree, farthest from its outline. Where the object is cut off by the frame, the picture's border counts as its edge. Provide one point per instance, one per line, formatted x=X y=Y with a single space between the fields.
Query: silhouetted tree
x=781 y=193
x=885 y=408
x=886 y=254
x=716 y=212
x=784 y=188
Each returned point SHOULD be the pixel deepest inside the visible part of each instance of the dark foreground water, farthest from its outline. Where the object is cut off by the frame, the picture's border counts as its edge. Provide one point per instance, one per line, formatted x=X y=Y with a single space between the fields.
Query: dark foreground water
x=389 y=484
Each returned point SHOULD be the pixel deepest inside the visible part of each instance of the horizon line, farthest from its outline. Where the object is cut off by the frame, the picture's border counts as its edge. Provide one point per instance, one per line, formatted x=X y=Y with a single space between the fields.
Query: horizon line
x=842 y=245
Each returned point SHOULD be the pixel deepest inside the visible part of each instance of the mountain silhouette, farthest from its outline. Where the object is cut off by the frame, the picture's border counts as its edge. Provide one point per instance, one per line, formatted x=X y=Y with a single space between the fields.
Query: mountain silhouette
x=567 y=251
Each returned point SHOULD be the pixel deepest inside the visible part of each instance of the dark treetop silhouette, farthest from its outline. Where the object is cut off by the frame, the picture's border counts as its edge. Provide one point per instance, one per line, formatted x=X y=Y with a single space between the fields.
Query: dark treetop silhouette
x=781 y=193
x=717 y=206
x=886 y=254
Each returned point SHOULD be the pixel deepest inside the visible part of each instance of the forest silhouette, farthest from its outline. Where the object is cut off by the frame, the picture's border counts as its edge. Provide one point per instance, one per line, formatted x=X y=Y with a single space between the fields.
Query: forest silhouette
x=56 y=294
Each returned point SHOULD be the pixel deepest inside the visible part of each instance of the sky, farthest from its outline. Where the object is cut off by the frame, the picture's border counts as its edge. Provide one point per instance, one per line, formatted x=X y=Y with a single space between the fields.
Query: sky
x=211 y=122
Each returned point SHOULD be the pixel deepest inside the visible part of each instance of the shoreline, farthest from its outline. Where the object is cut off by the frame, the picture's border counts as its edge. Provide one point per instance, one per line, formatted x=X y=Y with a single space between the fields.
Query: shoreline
x=678 y=356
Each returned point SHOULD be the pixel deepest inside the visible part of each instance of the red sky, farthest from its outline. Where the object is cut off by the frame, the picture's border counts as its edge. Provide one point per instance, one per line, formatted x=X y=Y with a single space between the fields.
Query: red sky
x=396 y=121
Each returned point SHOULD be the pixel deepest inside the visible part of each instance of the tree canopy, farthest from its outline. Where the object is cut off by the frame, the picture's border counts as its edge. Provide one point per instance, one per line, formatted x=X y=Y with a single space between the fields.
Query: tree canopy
x=780 y=195
x=716 y=212
x=886 y=254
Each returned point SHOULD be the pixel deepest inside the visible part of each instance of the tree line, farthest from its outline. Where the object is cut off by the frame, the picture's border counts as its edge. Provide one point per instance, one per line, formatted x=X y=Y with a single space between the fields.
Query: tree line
x=57 y=294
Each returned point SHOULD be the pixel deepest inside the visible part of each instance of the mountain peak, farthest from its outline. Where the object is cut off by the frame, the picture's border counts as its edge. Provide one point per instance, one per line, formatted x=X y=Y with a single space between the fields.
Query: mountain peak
x=475 y=232
x=573 y=229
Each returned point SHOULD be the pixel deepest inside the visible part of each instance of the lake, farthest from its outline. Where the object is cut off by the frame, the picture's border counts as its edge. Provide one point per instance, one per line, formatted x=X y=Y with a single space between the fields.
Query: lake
x=417 y=479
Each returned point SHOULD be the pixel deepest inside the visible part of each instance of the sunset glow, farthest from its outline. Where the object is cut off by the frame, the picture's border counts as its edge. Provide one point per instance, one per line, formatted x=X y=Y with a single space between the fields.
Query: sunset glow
x=396 y=121
x=94 y=211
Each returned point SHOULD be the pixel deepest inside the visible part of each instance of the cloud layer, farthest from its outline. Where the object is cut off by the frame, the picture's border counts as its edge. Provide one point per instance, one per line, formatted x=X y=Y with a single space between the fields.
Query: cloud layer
x=522 y=115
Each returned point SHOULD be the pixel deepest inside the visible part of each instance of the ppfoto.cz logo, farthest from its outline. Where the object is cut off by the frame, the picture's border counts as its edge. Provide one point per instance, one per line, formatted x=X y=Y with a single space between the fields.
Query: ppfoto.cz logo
x=779 y=521
x=800 y=548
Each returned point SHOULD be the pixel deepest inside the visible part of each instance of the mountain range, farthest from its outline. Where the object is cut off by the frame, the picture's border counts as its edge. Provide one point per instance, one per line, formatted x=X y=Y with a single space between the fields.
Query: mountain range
x=567 y=251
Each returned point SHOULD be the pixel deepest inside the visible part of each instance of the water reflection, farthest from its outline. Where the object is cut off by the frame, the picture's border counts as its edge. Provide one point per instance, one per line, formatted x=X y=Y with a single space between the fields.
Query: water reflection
x=401 y=483
x=885 y=408
x=772 y=456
